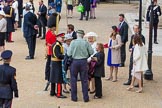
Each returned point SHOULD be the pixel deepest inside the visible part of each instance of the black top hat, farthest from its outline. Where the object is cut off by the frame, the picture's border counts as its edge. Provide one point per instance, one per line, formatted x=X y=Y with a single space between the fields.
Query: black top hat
x=52 y=20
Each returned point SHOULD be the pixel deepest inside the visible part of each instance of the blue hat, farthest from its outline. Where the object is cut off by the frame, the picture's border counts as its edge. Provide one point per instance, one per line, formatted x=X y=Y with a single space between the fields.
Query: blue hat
x=6 y=54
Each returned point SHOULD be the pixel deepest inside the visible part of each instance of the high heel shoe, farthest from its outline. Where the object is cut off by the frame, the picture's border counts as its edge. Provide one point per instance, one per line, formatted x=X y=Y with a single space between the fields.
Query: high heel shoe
x=109 y=78
x=130 y=88
x=139 y=91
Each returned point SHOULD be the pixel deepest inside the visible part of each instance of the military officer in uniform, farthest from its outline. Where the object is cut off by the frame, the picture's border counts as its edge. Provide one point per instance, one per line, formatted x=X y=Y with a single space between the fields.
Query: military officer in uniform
x=156 y=14
x=56 y=66
x=8 y=83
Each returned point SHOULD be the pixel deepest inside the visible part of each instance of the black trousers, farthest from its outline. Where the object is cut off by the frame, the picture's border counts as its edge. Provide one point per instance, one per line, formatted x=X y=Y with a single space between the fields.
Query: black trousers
x=19 y=22
x=155 y=27
x=59 y=89
x=42 y=25
x=53 y=86
x=47 y=68
x=5 y=103
x=98 y=87
x=123 y=53
x=31 y=42
x=7 y=36
x=86 y=13
x=130 y=67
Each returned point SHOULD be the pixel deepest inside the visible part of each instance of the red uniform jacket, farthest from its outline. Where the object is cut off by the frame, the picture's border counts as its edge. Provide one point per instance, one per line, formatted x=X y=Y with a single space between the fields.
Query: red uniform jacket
x=50 y=39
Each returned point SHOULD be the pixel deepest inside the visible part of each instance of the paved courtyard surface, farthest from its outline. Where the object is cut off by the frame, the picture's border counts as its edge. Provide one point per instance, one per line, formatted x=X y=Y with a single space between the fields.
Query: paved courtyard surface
x=30 y=74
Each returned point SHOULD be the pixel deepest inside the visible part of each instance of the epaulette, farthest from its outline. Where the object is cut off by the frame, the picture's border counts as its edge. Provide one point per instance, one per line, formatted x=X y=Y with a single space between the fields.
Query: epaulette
x=57 y=43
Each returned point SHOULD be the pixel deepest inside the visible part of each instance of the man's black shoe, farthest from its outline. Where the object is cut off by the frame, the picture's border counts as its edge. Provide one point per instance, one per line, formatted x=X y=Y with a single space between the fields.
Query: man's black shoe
x=156 y=42
x=74 y=100
x=42 y=38
x=52 y=94
x=62 y=96
x=127 y=83
x=29 y=58
x=86 y=100
x=121 y=65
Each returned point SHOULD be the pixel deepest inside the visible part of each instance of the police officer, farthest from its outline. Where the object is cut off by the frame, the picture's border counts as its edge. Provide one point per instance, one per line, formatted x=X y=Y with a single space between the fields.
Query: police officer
x=156 y=14
x=8 y=83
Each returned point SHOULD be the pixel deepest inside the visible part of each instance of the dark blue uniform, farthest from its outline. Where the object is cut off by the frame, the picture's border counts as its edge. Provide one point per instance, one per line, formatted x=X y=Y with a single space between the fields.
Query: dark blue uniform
x=8 y=83
x=156 y=14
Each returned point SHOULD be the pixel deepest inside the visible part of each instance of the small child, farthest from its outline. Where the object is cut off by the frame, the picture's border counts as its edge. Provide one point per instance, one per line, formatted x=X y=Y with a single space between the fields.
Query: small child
x=99 y=69
x=68 y=39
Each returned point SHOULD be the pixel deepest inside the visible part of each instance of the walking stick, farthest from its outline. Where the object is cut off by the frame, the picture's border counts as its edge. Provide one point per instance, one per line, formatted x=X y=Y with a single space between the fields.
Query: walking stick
x=47 y=85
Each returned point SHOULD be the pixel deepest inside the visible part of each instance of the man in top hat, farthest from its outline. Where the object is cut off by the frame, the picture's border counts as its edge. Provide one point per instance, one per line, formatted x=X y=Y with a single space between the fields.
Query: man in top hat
x=3 y=24
x=50 y=40
x=8 y=83
x=52 y=24
x=56 y=64
x=80 y=50
x=156 y=14
x=10 y=17
x=30 y=28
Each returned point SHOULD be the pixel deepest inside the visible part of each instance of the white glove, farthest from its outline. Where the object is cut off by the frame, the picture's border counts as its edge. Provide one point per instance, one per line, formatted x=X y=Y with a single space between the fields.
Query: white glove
x=158 y=13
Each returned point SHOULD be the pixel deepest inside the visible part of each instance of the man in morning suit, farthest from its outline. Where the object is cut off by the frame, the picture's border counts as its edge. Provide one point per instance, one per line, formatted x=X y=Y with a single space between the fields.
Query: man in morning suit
x=30 y=30
x=123 y=32
x=42 y=19
x=136 y=31
x=8 y=83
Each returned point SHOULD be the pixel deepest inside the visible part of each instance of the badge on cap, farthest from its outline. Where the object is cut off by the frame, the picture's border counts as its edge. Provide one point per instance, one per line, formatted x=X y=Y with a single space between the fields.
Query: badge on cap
x=61 y=35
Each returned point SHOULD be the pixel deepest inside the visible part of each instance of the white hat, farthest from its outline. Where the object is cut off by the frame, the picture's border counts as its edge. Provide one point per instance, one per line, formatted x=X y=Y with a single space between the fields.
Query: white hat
x=67 y=37
x=2 y=13
x=91 y=34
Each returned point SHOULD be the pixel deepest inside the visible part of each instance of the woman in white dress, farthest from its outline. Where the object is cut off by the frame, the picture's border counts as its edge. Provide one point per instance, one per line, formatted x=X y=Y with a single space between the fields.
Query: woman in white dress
x=139 y=62
x=15 y=7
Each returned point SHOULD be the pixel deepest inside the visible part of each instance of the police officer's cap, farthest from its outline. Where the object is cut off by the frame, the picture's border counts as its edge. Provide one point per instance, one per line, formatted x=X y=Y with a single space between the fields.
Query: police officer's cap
x=6 y=54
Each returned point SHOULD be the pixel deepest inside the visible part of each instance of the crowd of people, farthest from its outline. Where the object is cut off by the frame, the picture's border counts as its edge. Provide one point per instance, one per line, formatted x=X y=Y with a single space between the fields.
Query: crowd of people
x=72 y=54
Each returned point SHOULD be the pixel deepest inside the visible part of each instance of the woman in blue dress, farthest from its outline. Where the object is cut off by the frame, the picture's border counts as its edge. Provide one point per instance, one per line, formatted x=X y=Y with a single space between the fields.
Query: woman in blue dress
x=114 y=58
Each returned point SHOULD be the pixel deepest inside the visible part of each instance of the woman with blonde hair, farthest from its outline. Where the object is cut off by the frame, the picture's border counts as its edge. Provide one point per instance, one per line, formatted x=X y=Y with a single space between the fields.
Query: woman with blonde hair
x=139 y=62
x=114 y=58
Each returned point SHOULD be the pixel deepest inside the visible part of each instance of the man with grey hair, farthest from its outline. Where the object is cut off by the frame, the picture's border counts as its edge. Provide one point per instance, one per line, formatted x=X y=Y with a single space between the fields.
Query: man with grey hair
x=30 y=28
x=80 y=50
